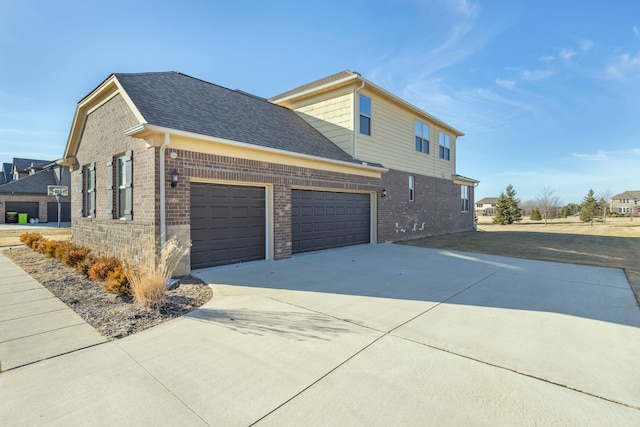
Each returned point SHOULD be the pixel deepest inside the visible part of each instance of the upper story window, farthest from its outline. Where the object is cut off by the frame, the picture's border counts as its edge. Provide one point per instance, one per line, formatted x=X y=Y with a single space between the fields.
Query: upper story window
x=445 y=146
x=411 y=188
x=365 y=115
x=464 y=197
x=422 y=137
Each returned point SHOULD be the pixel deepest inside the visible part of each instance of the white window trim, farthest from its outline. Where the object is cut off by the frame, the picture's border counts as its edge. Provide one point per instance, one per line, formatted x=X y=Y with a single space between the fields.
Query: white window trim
x=361 y=114
x=412 y=190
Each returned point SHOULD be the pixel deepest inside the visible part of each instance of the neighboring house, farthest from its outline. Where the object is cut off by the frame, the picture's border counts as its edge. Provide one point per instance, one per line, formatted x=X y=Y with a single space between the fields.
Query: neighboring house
x=5 y=174
x=156 y=155
x=29 y=194
x=25 y=167
x=486 y=206
x=626 y=203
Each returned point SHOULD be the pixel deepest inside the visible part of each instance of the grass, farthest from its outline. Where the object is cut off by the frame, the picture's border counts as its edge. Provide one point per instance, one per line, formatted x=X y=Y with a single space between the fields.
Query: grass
x=615 y=243
x=11 y=237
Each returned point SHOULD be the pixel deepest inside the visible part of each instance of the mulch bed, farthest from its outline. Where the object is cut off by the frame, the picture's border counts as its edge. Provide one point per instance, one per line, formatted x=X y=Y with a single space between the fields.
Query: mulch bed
x=114 y=317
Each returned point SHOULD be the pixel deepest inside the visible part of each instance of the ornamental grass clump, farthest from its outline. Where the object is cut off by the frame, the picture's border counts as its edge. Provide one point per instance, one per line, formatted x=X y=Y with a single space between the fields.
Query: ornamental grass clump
x=148 y=280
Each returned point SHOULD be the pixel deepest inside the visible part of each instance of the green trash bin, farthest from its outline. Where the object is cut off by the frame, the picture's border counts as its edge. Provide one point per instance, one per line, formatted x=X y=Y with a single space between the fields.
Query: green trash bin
x=23 y=218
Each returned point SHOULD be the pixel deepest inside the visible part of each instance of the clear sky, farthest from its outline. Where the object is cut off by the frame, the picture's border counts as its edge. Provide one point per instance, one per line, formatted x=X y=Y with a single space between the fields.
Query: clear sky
x=547 y=92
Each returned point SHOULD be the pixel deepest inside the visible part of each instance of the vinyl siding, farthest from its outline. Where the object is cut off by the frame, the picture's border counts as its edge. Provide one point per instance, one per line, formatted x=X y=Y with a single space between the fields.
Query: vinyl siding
x=392 y=141
x=331 y=114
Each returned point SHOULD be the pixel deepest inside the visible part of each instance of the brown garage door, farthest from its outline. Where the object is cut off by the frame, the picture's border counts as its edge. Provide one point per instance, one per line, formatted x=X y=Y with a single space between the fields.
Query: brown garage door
x=326 y=219
x=227 y=224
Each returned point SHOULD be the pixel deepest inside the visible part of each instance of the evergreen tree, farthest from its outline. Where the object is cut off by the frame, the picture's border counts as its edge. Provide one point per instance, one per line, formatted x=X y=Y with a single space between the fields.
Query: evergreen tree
x=535 y=215
x=507 y=209
x=589 y=208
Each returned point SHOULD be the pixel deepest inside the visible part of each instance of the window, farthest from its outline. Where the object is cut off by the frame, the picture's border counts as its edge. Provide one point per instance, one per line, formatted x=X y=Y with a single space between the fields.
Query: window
x=445 y=145
x=411 y=192
x=365 y=115
x=464 y=196
x=422 y=137
x=88 y=183
x=120 y=186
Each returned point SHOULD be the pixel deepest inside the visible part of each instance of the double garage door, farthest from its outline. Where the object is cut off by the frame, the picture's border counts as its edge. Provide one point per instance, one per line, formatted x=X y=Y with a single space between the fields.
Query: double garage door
x=228 y=222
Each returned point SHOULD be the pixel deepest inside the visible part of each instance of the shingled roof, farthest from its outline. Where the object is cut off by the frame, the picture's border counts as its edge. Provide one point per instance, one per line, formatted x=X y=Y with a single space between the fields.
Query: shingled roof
x=315 y=84
x=32 y=184
x=178 y=101
x=23 y=165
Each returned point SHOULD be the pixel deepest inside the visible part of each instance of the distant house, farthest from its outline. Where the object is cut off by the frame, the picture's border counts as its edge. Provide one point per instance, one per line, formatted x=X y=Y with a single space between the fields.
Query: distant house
x=626 y=203
x=486 y=206
x=25 y=190
x=337 y=162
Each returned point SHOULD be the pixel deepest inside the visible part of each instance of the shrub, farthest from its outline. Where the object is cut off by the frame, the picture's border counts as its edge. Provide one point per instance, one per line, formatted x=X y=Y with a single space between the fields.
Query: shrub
x=83 y=265
x=117 y=282
x=75 y=255
x=62 y=249
x=50 y=248
x=40 y=245
x=29 y=238
x=149 y=281
x=99 y=271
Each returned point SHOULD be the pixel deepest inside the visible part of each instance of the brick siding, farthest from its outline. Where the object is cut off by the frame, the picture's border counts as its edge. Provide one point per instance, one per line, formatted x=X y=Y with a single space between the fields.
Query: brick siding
x=435 y=209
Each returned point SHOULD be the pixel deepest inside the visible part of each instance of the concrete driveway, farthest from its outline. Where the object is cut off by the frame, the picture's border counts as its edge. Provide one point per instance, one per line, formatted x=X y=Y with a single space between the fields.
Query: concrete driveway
x=366 y=335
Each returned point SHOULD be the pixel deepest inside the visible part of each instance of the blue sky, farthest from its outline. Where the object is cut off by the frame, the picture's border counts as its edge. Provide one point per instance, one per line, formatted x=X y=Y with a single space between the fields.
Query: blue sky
x=547 y=92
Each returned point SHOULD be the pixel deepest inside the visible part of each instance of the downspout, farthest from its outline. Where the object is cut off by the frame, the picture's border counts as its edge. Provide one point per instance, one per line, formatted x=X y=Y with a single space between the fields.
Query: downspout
x=355 y=117
x=163 y=213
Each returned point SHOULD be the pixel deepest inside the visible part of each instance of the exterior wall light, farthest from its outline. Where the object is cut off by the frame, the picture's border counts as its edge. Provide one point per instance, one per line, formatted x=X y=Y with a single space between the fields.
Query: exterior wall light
x=174 y=178
x=383 y=193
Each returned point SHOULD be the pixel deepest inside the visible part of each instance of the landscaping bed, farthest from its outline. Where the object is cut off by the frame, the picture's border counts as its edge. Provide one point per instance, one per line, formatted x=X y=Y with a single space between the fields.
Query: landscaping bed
x=112 y=315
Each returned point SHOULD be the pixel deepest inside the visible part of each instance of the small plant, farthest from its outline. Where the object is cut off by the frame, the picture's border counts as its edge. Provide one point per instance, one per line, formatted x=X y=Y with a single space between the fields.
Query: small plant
x=39 y=245
x=83 y=266
x=117 y=282
x=100 y=270
x=50 y=248
x=74 y=256
x=30 y=238
x=62 y=249
x=149 y=281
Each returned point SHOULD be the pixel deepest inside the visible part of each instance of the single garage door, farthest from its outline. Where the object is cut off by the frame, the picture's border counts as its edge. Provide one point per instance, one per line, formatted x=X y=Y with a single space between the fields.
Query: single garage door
x=31 y=208
x=52 y=211
x=326 y=219
x=227 y=224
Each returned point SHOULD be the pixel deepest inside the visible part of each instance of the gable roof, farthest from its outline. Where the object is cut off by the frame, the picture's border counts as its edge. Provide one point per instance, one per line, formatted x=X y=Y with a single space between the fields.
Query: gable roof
x=177 y=101
x=347 y=77
x=487 y=200
x=34 y=184
x=627 y=195
x=23 y=165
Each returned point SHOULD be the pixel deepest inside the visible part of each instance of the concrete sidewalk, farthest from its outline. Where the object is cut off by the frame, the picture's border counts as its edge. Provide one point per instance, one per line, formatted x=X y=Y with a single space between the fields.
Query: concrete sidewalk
x=367 y=335
x=34 y=324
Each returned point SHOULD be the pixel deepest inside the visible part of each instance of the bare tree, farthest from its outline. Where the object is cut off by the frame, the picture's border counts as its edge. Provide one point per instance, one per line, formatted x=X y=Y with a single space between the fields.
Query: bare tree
x=604 y=202
x=547 y=202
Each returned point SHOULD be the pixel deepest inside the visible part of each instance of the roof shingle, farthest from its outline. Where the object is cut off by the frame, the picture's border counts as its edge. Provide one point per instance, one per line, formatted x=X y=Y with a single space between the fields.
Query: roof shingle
x=181 y=102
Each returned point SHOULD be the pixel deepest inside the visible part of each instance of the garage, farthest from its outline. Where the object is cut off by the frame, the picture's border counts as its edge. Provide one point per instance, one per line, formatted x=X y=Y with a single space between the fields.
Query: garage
x=327 y=219
x=227 y=224
x=31 y=208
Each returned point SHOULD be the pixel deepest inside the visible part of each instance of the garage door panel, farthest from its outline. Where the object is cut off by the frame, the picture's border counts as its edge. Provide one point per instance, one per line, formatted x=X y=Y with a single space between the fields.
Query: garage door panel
x=227 y=224
x=323 y=219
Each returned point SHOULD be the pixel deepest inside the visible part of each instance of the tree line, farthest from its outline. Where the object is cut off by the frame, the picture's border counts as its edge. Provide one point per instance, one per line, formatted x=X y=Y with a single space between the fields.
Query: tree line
x=546 y=206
